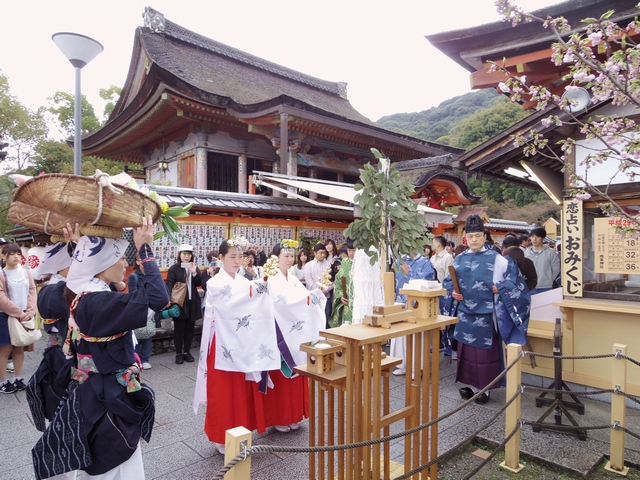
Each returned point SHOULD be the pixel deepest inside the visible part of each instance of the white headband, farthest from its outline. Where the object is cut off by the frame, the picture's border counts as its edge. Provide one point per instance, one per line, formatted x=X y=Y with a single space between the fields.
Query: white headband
x=46 y=260
x=92 y=256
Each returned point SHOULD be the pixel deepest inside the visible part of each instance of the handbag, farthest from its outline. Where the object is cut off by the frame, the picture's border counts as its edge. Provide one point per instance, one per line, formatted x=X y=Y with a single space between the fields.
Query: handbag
x=21 y=333
x=178 y=293
x=149 y=330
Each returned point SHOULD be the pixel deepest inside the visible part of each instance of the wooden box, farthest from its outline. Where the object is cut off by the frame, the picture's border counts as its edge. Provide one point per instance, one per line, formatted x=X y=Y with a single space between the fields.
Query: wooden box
x=423 y=305
x=321 y=359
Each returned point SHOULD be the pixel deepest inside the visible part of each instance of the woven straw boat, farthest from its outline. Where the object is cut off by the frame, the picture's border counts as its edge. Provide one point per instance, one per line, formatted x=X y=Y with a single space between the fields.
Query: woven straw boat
x=37 y=218
x=85 y=201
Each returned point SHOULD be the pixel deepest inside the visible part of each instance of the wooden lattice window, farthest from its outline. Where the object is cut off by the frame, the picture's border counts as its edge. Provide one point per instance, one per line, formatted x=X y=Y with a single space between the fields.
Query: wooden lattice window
x=222 y=172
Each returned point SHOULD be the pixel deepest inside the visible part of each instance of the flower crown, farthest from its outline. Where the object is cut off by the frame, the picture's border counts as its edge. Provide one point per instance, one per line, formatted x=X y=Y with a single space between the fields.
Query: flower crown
x=238 y=242
x=288 y=243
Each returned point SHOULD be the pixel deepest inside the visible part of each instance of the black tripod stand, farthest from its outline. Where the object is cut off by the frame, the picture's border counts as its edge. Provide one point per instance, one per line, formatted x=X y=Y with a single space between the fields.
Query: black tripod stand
x=557 y=404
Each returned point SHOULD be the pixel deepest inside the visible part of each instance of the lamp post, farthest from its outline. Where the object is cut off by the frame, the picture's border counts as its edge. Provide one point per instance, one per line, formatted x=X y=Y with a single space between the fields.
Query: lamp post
x=79 y=50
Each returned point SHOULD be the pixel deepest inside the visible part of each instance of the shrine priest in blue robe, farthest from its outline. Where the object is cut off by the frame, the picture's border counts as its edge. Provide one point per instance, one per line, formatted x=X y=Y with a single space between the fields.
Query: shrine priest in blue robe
x=493 y=306
x=418 y=267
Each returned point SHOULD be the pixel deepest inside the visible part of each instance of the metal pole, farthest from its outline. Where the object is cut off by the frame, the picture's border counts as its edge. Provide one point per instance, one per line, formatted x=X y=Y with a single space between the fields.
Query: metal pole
x=77 y=120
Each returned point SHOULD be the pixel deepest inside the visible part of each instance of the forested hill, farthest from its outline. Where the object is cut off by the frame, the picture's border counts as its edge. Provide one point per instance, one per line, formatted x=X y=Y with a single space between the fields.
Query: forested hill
x=439 y=121
x=465 y=122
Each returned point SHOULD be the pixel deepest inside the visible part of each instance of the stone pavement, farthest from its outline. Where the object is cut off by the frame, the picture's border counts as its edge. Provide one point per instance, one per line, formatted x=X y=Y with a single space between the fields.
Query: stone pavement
x=179 y=449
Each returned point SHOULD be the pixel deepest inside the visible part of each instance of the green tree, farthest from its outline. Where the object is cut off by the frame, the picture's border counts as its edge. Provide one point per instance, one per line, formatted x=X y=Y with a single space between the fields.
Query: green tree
x=111 y=95
x=56 y=156
x=20 y=127
x=486 y=123
x=61 y=106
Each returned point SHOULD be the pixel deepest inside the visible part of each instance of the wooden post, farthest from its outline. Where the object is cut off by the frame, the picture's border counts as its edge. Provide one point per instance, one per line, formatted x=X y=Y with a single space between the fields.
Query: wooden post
x=618 y=412
x=236 y=440
x=514 y=379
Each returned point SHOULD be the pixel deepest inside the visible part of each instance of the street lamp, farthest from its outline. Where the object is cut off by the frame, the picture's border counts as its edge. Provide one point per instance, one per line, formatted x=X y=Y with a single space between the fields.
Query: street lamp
x=79 y=50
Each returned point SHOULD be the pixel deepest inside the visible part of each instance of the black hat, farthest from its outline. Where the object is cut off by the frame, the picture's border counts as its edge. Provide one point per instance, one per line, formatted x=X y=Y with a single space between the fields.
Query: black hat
x=4 y=241
x=474 y=224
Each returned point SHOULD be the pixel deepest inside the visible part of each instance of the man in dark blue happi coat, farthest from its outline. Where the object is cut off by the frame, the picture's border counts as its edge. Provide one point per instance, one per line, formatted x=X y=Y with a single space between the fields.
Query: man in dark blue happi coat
x=493 y=306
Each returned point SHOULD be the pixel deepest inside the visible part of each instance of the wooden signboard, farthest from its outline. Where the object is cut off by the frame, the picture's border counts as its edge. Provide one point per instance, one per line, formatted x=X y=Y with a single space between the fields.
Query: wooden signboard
x=615 y=253
x=572 y=257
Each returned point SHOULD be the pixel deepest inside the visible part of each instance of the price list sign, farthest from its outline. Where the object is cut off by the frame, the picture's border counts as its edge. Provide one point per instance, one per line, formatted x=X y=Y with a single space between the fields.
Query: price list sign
x=615 y=253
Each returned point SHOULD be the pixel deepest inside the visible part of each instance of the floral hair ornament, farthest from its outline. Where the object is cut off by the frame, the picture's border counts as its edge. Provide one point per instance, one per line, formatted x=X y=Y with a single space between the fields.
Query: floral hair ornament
x=239 y=242
x=289 y=244
x=271 y=267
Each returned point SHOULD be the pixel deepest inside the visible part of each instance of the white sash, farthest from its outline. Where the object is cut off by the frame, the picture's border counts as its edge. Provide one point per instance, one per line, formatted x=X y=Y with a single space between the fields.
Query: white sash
x=298 y=312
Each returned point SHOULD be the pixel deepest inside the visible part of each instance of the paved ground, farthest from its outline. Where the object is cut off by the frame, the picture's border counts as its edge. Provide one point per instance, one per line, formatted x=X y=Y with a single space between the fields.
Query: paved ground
x=180 y=450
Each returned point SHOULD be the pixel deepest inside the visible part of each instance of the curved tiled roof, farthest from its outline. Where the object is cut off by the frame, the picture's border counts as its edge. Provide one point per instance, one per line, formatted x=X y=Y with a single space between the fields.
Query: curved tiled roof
x=247 y=81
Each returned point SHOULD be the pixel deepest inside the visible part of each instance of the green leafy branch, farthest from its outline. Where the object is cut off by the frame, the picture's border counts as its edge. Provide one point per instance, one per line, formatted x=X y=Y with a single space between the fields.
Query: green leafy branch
x=390 y=218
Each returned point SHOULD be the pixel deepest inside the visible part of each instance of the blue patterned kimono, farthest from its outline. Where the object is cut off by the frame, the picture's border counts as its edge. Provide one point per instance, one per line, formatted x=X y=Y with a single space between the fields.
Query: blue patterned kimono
x=421 y=268
x=475 y=272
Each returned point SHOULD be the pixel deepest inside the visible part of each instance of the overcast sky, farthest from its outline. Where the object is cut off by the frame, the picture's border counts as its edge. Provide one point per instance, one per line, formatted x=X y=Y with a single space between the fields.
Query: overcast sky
x=376 y=46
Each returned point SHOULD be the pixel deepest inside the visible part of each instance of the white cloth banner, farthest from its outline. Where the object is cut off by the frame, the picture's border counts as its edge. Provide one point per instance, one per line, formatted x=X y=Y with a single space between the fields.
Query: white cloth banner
x=298 y=312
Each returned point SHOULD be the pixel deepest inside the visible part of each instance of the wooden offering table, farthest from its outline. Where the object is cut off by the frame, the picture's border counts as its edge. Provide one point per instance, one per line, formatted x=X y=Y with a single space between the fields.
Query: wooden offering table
x=366 y=416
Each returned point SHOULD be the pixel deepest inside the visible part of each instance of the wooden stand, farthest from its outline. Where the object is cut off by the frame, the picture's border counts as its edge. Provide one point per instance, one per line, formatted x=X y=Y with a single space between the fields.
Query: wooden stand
x=362 y=388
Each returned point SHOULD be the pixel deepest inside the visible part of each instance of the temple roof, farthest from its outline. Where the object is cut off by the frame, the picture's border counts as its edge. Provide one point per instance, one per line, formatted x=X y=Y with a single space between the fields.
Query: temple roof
x=178 y=78
x=435 y=174
x=472 y=47
x=237 y=79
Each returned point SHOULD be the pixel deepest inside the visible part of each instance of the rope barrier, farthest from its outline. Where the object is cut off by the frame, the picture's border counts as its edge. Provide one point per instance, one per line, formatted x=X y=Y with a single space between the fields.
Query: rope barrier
x=565 y=392
x=577 y=357
x=289 y=449
x=499 y=448
x=332 y=448
x=618 y=427
x=552 y=426
x=463 y=443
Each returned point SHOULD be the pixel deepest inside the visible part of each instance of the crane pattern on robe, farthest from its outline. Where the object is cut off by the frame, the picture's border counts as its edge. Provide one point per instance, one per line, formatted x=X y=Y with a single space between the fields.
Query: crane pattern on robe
x=226 y=354
x=243 y=322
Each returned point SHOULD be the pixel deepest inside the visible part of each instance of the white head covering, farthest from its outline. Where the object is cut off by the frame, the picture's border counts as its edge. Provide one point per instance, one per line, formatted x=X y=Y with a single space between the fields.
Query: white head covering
x=92 y=256
x=50 y=259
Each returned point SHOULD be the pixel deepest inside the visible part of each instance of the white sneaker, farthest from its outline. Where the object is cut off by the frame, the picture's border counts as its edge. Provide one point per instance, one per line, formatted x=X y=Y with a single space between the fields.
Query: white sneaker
x=399 y=371
x=294 y=426
x=10 y=366
x=454 y=355
x=146 y=366
x=283 y=428
x=220 y=448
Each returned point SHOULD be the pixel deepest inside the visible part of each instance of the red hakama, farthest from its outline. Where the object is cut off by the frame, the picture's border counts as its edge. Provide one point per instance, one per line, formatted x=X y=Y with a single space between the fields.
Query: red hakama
x=232 y=401
x=288 y=401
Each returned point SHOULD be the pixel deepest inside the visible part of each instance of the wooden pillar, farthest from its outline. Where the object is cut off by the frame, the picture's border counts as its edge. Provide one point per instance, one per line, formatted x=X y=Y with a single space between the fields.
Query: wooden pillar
x=236 y=440
x=292 y=163
x=618 y=413
x=313 y=173
x=514 y=380
x=275 y=168
x=284 y=141
x=201 y=168
x=242 y=173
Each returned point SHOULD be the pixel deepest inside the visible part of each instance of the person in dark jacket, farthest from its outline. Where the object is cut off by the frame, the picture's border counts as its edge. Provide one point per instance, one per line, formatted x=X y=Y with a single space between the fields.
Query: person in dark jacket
x=185 y=270
x=136 y=282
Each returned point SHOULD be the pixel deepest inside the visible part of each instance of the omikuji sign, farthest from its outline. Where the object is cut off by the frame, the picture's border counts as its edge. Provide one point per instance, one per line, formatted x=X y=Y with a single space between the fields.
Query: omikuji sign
x=615 y=253
x=572 y=233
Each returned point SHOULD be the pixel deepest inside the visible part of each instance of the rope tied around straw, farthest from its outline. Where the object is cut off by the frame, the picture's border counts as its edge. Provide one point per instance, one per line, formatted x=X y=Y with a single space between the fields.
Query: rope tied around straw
x=103 y=180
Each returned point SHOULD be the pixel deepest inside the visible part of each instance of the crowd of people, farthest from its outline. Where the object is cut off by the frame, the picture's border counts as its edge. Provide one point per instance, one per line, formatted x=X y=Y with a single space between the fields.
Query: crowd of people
x=256 y=311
